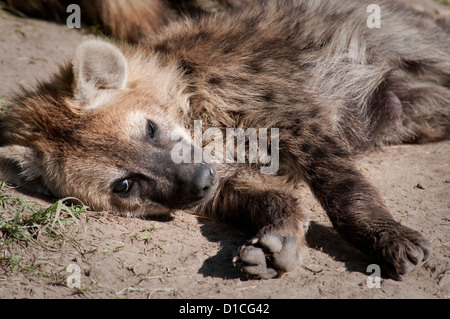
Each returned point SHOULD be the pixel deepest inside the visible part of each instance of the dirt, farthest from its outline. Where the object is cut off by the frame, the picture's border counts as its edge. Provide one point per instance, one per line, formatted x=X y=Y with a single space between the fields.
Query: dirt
x=190 y=257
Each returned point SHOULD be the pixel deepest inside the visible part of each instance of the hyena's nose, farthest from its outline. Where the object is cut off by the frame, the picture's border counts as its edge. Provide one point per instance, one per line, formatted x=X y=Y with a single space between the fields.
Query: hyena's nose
x=203 y=180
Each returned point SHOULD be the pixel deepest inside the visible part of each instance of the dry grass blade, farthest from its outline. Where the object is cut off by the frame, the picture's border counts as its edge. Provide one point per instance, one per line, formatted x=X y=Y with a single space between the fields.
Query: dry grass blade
x=20 y=221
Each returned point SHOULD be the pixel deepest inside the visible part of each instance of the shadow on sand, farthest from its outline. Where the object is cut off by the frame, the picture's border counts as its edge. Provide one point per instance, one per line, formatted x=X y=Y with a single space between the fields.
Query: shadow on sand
x=319 y=237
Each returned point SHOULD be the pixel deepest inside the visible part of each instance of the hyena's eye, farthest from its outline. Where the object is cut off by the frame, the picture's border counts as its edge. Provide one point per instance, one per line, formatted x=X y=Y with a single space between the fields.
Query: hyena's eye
x=150 y=129
x=123 y=186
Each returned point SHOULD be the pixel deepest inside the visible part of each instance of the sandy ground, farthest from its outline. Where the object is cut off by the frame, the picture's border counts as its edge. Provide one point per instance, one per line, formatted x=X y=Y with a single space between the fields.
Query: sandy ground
x=189 y=257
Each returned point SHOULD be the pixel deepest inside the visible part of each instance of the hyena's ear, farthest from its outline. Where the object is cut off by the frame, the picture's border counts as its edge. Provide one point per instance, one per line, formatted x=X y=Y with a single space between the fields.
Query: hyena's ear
x=19 y=166
x=100 y=69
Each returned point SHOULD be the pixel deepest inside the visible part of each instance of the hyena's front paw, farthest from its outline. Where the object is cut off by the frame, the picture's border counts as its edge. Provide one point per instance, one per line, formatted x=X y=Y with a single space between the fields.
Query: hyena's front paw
x=267 y=256
x=402 y=250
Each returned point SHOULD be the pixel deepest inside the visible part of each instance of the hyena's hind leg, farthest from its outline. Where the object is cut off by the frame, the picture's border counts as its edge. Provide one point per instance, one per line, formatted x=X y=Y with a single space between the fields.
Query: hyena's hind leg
x=417 y=115
x=414 y=104
x=426 y=112
x=265 y=206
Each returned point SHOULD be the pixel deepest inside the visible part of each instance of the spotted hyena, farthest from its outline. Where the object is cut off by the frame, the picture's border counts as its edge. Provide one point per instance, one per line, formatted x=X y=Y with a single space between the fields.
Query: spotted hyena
x=102 y=128
x=127 y=20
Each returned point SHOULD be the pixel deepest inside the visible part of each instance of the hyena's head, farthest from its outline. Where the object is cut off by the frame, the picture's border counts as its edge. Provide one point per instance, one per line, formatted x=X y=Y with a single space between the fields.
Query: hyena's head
x=102 y=131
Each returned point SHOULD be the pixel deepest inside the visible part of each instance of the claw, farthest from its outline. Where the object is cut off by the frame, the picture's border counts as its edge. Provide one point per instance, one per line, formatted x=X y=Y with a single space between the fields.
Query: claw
x=405 y=253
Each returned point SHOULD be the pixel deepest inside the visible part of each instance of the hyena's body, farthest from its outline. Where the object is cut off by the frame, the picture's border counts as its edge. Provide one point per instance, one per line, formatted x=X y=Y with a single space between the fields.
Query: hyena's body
x=331 y=85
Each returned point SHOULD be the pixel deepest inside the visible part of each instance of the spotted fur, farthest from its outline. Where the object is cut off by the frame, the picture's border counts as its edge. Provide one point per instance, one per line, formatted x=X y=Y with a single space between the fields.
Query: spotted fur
x=334 y=87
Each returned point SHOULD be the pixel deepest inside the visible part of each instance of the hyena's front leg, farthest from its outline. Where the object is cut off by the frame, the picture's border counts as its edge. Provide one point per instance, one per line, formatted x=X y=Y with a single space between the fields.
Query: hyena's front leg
x=357 y=211
x=265 y=206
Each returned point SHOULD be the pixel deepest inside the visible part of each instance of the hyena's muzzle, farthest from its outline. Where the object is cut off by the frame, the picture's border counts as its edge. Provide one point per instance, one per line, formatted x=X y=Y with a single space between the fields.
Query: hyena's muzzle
x=192 y=184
